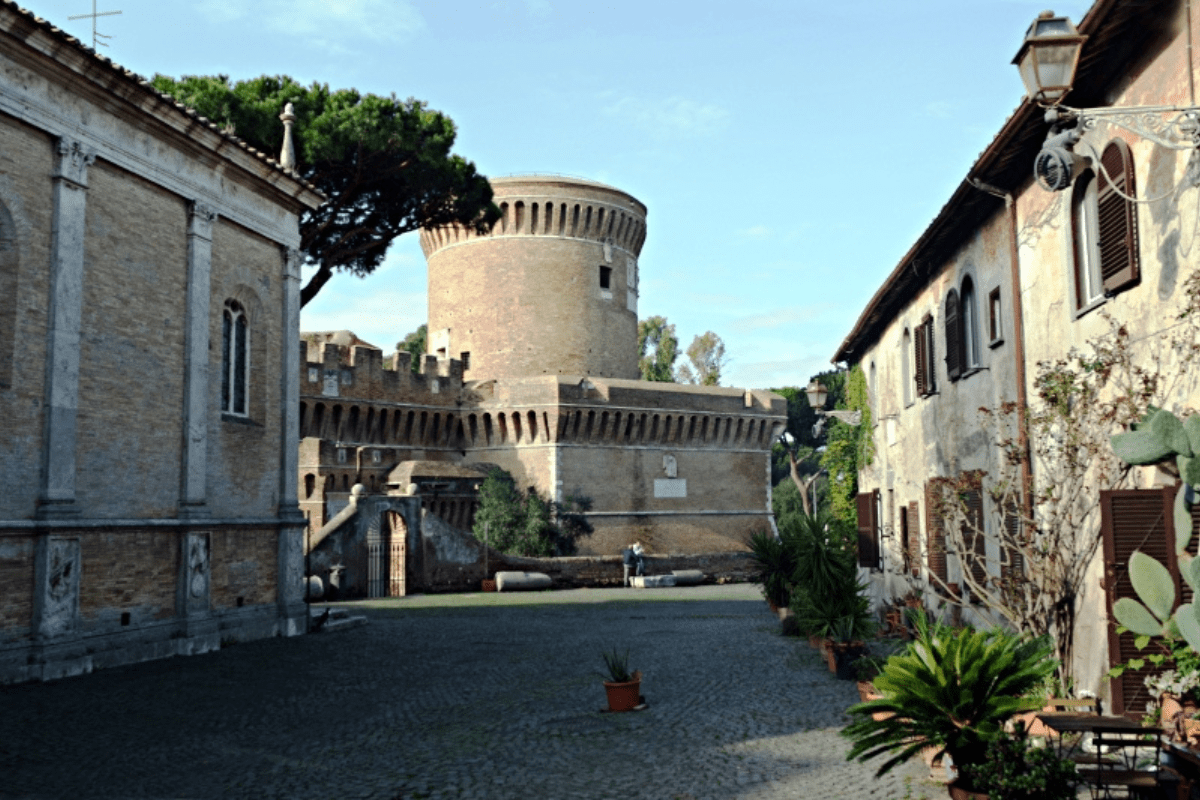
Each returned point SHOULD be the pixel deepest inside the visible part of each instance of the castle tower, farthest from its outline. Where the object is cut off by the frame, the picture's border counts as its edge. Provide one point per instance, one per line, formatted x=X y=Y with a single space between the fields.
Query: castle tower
x=551 y=290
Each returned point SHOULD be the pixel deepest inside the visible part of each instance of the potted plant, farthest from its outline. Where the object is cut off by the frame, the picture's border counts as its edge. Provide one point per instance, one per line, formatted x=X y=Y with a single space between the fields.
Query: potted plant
x=774 y=563
x=622 y=686
x=865 y=670
x=1014 y=769
x=951 y=690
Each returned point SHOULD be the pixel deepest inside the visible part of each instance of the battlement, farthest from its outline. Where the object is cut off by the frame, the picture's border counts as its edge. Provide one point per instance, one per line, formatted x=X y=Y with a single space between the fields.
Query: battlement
x=360 y=372
x=552 y=206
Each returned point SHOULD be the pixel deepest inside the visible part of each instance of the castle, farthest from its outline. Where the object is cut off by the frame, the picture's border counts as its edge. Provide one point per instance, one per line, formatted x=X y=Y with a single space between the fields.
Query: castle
x=532 y=367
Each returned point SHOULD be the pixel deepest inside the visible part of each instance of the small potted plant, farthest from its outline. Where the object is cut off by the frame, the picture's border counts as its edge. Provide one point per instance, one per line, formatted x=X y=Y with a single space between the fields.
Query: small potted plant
x=622 y=686
x=1015 y=770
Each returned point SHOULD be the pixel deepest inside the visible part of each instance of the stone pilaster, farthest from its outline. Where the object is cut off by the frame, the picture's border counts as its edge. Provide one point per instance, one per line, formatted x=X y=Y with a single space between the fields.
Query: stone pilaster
x=194 y=490
x=293 y=613
x=57 y=490
x=56 y=587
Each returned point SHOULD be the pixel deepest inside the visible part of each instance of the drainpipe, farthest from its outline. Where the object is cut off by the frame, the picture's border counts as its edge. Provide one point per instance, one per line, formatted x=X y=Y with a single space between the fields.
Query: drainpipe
x=1018 y=344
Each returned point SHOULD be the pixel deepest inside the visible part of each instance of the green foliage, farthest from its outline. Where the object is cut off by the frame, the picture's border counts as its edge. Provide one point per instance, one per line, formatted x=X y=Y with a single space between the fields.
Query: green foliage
x=1159 y=436
x=414 y=344
x=848 y=449
x=616 y=665
x=384 y=164
x=775 y=564
x=658 y=348
x=707 y=354
x=1014 y=769
x=524 y=523
x=952 y=689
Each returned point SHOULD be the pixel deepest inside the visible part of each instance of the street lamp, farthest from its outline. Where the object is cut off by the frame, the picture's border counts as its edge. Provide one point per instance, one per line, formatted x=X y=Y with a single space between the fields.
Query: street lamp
x=1047 y=62
x=817 y=394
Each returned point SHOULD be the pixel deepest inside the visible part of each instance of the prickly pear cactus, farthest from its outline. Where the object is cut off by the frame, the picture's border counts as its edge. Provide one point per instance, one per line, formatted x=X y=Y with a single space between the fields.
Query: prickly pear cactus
x=1159 y=436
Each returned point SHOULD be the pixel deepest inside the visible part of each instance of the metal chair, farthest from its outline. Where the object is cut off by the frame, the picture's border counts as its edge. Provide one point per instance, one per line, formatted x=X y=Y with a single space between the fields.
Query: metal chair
x=1127 y=761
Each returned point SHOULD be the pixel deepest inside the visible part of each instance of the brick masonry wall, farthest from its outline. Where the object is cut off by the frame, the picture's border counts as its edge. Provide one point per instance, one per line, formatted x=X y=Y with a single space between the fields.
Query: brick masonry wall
x=243 y=453
x=245 y=565
x=131 y=348
x=16 y=587
x=26 y=164
x=128 y=570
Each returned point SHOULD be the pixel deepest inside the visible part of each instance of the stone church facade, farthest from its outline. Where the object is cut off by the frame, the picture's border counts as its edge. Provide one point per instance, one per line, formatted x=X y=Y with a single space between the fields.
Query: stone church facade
x=149 y=308
x=532 y=367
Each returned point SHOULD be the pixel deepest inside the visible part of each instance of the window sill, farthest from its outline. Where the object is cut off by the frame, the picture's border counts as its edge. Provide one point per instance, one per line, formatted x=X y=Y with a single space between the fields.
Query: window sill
x=994 y=343
x=237 y=420
x=1092 y=306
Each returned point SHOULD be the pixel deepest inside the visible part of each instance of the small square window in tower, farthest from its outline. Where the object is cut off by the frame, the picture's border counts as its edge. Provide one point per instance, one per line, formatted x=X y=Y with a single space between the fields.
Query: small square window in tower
x=606 y=277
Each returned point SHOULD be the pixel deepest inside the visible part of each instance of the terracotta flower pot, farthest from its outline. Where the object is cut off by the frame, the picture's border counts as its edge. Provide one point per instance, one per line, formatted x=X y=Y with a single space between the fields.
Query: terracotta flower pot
x=959 y=793
x=624 y=696
x=1171 y=707
x=867 y=691
x=488 y=585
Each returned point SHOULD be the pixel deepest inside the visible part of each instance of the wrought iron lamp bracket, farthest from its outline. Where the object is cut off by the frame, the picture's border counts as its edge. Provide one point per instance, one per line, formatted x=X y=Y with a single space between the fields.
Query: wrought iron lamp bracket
x=1173 y=127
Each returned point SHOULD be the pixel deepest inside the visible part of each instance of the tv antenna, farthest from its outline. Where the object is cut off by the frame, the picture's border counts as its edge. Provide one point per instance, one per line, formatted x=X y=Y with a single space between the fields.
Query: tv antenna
x=96 y=37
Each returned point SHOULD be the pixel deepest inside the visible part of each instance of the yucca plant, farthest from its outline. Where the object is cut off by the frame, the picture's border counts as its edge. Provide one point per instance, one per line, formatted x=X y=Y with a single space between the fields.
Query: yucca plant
x=775 y=564
x=617 y=665
x=952 y=689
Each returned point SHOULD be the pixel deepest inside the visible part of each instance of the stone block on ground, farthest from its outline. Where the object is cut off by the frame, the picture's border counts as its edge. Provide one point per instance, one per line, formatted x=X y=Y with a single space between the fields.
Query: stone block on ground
x=652 y=581
x=521 y=581
x=688 y=577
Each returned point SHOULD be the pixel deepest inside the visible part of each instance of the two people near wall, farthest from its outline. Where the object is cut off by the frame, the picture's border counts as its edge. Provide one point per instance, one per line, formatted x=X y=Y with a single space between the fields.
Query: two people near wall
x=634 y=556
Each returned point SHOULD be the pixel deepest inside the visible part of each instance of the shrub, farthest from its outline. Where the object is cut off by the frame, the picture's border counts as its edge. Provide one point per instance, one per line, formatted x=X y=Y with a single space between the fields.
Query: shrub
x=523 y=523
x=1015 y=770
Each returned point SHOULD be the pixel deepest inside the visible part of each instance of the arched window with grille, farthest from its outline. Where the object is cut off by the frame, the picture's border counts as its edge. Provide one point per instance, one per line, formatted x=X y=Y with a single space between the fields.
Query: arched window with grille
x=235 y=360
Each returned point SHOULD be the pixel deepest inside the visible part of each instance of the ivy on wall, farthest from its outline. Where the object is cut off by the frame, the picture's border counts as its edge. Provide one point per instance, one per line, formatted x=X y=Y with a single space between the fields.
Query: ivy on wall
x=849 y=448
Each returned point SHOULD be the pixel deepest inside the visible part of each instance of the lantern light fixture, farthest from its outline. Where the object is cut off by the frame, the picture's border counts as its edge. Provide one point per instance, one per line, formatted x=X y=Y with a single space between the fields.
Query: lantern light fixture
x=1047 y=61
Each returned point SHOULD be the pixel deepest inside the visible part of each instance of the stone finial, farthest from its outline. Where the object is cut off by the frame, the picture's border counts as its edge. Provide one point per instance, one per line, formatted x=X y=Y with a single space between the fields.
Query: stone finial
x=287 y=158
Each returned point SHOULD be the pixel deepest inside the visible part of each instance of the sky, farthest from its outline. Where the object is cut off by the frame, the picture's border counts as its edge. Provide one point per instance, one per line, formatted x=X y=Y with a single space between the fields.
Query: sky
x=789 y=153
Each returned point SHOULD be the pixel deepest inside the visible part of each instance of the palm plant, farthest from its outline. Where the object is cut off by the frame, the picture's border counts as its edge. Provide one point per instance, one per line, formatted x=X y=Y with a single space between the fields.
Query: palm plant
x=952 y=689
x=775 y=563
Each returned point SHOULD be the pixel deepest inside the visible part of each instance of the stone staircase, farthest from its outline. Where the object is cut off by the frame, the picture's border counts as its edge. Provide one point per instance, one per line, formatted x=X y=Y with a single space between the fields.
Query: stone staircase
x=329 y=619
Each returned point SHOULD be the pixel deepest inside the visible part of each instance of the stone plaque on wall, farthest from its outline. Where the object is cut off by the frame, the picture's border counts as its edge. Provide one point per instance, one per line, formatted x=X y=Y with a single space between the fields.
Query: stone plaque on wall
x=670 y=487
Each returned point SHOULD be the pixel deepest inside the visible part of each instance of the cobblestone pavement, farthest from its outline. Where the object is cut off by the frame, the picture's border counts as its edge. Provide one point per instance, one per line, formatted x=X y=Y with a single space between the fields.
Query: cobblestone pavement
x=461 y=696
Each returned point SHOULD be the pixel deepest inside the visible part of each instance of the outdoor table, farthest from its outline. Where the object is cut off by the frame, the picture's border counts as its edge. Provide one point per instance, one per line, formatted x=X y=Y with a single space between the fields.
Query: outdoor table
x=1069 y=725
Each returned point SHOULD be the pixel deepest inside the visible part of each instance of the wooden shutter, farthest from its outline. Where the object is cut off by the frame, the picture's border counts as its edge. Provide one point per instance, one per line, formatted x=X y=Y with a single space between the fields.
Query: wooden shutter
x=867 y=526
x=913 y=512
x=954 y=337
x=974 y=539
x=930 y=371
x=919 y=359
x=1129 y=521
x=1117 y=219
x=1012 y=565
x=935 y=535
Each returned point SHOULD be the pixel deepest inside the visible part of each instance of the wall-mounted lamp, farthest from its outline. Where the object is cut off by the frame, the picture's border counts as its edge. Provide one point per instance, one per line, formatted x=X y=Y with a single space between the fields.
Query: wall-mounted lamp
x=1047 y=61
x=817 y=394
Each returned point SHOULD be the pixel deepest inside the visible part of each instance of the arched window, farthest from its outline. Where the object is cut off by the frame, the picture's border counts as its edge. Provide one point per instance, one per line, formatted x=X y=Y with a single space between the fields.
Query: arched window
x=1117 y=218
x=235 y=360
x=969 y=317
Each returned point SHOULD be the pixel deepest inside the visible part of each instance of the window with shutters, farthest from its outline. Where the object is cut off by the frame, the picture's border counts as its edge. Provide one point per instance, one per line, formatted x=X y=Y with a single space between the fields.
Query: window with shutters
x=1086 y=233
x=1012 y=558
x=868 y=529
x=954 y=337
x=923 y=358
x=974 y=537
x=1133 y=520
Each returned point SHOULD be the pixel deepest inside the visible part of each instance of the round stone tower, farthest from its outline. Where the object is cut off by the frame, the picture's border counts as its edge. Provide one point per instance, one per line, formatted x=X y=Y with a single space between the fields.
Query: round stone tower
x=551 y=290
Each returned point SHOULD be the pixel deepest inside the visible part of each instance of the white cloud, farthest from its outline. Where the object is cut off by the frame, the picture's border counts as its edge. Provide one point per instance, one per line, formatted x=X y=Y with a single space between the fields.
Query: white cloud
x=756 y=231
x=325 y=24
x=671 y=119
x=793 y=315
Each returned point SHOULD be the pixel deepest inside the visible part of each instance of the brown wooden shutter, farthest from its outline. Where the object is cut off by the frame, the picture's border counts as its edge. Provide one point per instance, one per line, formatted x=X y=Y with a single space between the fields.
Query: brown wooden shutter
x=1012 y=567
x=867 y=524
x=930 y=369
x=954 y=337
x=974 y=539
x=914 y=537
x=1117 y=219
x=919 y=353
x=1129 y=521
x=933 y=527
